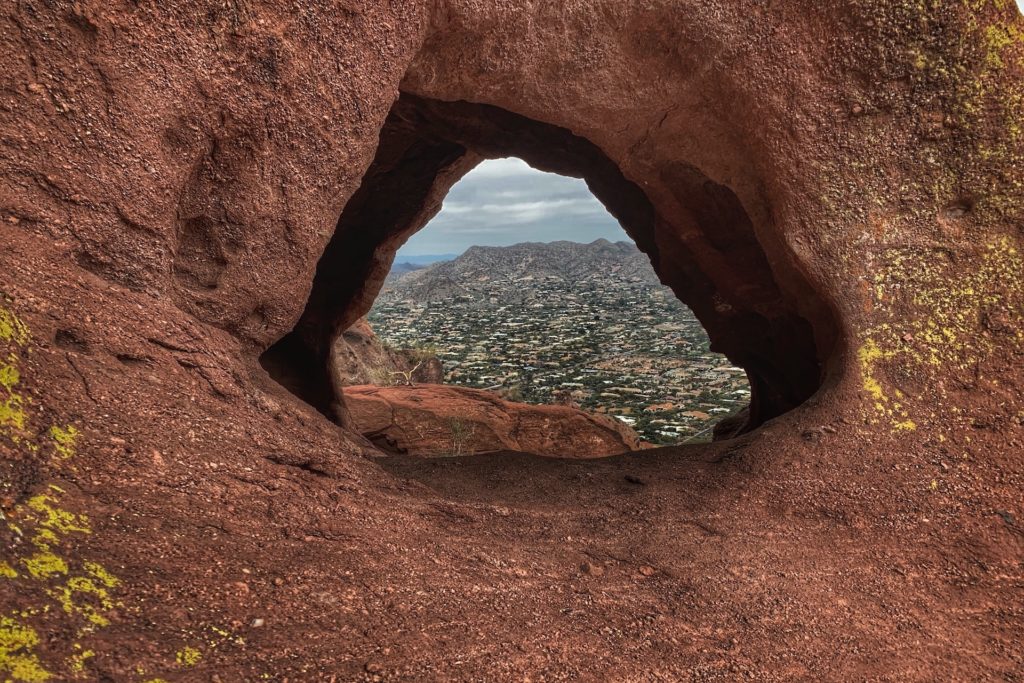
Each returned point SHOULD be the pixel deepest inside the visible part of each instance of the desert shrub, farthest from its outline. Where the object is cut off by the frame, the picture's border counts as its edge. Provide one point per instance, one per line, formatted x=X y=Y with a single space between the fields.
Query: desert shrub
x=461 y=434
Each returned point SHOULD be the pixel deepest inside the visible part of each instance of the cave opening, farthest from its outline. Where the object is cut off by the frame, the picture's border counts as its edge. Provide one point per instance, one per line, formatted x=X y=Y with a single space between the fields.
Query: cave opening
x=709 y=253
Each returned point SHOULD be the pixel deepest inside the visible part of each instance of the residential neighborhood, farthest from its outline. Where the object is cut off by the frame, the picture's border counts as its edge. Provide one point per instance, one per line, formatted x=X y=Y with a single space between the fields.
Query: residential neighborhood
x=611 y=342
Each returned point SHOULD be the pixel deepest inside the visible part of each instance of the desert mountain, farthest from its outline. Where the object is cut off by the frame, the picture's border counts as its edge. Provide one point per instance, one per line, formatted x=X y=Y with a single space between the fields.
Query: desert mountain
x=521 y=264
x=399 y=270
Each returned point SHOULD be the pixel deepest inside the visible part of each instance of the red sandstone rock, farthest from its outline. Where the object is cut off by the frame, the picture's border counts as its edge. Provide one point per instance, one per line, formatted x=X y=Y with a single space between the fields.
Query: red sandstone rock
x=446 y=420
x=835 y=188
x=359 y=357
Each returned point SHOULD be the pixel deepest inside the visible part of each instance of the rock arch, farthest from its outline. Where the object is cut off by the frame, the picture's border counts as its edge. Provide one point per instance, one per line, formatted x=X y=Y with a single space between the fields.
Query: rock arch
x=172 y=172
x=704 y=246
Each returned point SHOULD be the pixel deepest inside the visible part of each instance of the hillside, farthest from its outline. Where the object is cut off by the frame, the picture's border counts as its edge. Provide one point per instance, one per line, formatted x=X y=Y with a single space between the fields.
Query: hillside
x=520 y=265
x=584 y=324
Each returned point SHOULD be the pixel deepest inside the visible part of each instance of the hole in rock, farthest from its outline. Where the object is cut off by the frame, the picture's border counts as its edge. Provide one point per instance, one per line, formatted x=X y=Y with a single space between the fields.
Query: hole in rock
x=704 y=246
x=525 y=287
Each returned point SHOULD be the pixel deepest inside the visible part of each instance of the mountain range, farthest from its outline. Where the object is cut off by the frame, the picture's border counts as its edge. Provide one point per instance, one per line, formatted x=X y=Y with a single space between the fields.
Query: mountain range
x=479 y=268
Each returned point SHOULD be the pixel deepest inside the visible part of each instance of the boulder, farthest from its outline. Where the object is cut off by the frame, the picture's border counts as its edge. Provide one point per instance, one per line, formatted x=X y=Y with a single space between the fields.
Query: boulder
x=446 y=420
x=360 y=357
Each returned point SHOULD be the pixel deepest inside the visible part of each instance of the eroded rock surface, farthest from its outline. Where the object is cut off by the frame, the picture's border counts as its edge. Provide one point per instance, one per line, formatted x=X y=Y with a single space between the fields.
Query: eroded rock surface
x=444 y=420
x=360 y=357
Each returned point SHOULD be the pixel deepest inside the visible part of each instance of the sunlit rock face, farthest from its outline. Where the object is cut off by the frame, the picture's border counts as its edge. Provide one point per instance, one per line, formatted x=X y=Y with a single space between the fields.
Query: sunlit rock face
x=434 y=421
x=189 y=187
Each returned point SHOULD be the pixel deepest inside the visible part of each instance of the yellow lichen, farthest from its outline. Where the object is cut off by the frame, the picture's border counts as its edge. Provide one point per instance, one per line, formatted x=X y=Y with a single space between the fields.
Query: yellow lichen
x=12 y=404
x=12 y=329
x=9 y=374
x=942 y=329
x=64 y=440
x=998 y=37
x=92 y=609
x=56 y=519
x=45 y=537
x=18 y=660
x=44 y=564
x=12 y=416
x=83 y=588
x=99 y=572
x=76 y=662
x=188 y=656
x=868 y=354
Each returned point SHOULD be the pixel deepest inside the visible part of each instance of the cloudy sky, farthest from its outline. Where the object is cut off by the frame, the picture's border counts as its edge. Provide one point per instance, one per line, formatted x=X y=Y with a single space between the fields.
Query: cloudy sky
x=504 y=201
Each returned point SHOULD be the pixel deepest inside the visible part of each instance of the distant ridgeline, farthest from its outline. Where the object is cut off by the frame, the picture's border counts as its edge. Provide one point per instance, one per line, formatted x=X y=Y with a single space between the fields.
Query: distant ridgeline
x=564 y=322
x=529 y=262
x=404 y=265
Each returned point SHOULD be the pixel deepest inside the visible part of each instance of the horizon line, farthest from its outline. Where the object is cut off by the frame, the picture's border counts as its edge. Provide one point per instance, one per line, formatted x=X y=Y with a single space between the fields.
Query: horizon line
x=517 y=244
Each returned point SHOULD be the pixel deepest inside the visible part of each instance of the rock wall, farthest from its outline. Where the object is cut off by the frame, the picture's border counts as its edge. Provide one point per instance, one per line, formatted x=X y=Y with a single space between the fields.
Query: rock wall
x=173 y=176
x=198 y=152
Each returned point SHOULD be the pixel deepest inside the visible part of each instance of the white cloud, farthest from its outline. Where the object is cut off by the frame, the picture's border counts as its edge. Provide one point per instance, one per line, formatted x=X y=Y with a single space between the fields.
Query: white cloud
x=503 y=168
x=538 y=208
x=505 y=201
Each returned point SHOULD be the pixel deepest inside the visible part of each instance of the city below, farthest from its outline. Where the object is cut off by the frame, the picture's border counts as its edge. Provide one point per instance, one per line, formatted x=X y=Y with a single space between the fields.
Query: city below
x=587 y=325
